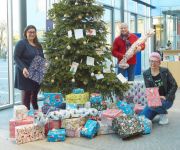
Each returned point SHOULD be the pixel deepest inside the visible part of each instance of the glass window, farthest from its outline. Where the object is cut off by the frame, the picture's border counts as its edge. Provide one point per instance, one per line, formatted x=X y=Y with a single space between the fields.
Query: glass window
x=117 y=21
x=4 y=84
x=141 y=9
x=132 y=6
x=132 y=23
x=117 y=3
x=108 y=19
x=16 y=38
x=36 y=15
x=107 y=2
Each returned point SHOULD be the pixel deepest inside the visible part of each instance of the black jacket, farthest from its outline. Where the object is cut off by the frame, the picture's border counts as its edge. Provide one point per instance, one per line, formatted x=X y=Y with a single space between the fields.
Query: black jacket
x=24 y=53
x=170 y=85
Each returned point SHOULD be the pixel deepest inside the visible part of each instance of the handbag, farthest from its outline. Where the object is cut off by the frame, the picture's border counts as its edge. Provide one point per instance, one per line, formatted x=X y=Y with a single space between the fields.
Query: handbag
x=38 y=68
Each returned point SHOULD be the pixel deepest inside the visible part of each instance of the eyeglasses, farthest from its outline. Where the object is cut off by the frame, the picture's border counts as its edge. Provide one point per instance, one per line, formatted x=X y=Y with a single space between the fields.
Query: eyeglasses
x=153 y=61
x=32 y=32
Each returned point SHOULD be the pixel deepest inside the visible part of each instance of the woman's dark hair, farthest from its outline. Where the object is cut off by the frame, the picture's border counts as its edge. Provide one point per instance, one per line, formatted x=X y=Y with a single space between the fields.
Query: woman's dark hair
x=36 y=42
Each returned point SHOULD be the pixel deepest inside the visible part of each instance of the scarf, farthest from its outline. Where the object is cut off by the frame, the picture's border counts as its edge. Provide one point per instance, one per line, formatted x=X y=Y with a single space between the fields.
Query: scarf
x=124 y=37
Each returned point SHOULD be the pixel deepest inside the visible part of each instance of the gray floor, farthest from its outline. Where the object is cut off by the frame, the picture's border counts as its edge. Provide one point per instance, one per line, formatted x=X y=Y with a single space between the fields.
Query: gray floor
x=165 y=137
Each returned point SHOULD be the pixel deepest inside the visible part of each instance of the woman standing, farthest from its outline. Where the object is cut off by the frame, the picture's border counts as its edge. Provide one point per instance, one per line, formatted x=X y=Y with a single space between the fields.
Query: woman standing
x=25 y=51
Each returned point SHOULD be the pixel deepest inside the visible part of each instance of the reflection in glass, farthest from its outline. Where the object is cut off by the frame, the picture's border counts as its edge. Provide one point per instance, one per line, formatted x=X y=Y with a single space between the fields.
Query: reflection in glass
x=4 y=86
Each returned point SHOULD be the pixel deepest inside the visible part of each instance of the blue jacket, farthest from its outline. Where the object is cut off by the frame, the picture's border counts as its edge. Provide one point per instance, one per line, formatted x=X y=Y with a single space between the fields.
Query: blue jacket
x=170 y=85
x=24 y=53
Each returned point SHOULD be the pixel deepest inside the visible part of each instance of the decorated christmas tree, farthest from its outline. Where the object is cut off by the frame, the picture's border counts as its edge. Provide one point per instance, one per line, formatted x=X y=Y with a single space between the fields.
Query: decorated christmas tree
x=77 y=50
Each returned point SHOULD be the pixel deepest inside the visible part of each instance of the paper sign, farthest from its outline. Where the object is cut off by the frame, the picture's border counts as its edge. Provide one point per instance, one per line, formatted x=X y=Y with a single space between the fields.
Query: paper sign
x=69 y=34
x=90 y=61
x=74 y=67
x=99 y=76
x=91 y=32
x=78 y=33
x=121 y=78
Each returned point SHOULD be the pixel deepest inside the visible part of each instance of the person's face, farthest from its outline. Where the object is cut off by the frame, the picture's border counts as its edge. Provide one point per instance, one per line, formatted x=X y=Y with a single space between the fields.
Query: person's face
x=31 y=34
x=154 y=63
x=124 y=30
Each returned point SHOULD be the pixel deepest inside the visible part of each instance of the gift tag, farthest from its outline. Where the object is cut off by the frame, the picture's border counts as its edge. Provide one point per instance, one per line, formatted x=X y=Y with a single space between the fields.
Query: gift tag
x=99 y=76
x=121 y=78
x=90 y=61
x=78 y=33
x=69 y=34
x=74 y=67
x=91 y=32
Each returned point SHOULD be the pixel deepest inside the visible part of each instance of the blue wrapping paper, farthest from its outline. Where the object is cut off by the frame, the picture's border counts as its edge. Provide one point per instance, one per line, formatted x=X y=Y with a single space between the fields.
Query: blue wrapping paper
x=53 y=99
x=126 y=108
x=90 y=129
x=78 y=91
x=56 y=135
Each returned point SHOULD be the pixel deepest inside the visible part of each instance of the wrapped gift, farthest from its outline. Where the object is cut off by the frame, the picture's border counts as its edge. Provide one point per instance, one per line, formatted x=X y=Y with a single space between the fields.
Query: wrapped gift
x=73 y=123
x=136 y=94
x=77 y=98
x=96 y=98
x=53 y=99
x=138 y=108
x=99 y=106
x=111 y=113
x=20 y=112
x=56 y=135
x=78 y=91
x=52 y=124
x=127 y=126
x=47 y=108
x=126 y=108
x=73 y=133
x=105 y=129
x=37 y=69
x=153 y=97
x=13 y=123
x=147 y=124
x=28 y=133
x=90 y=129
x=71 y=106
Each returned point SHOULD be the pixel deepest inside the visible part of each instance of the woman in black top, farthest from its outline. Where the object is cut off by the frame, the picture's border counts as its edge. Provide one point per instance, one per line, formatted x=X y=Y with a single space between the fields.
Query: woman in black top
x=25 y=51
x=157 y=76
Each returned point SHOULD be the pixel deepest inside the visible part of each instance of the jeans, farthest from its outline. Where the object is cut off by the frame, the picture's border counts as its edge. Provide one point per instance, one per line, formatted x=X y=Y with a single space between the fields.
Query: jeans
x=130 y=72
x=150 y=112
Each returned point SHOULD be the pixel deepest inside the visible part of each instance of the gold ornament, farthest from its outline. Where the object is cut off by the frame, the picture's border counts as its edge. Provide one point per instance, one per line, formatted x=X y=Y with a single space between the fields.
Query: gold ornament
x=68 y=47
x=52 y=80
x=99 y=72
x=79 y=17
x=73 y=80
x=56 y=58
x=84 y=42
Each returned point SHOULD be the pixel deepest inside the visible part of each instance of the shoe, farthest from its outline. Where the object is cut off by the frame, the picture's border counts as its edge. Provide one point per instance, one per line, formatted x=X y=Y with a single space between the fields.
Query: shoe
x=163 y=119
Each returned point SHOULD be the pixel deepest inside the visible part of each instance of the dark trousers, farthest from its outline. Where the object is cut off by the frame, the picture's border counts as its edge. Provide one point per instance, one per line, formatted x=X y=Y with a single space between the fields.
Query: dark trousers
x=30 y=97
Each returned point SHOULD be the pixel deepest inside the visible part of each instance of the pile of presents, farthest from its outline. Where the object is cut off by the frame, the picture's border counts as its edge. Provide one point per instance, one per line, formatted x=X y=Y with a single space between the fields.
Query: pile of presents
x=81 y=114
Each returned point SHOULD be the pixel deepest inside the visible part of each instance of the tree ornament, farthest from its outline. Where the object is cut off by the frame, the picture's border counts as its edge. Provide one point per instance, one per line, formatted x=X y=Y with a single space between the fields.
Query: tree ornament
x=77 y=52
x=73 y=80
x=66 y=15
x=87 y=14
x=56 y=58
x=76 y=3
x=85 y=82
x=92 y=74
x=68 y=47
x=84 y=42
x=99 y=72
x=52 y=80
x=79 y=17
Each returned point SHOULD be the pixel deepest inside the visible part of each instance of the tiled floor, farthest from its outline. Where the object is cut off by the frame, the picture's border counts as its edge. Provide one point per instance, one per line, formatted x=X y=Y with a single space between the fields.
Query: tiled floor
x=162 y=137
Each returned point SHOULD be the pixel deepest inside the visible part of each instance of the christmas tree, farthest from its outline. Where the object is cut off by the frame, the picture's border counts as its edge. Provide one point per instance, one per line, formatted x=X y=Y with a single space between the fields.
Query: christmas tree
x=78 y=51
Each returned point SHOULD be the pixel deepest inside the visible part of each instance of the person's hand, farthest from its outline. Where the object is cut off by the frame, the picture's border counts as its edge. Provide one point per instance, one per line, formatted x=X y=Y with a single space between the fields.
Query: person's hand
x=163 y=98
x=138 y=48
x=25 y=73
